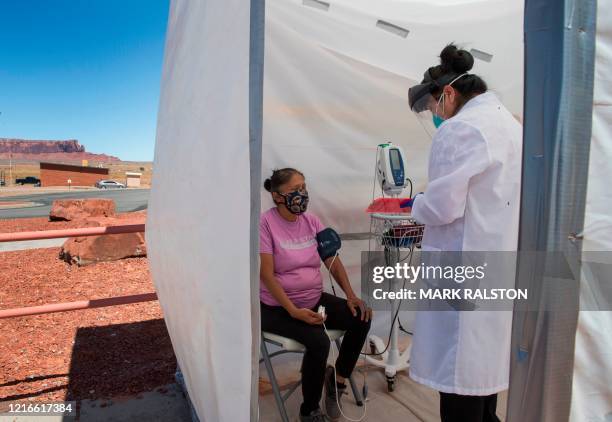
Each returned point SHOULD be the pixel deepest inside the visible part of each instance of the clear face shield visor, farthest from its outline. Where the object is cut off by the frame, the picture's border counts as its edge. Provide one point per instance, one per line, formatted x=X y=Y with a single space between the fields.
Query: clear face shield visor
x=429 y=109
x=426 y=107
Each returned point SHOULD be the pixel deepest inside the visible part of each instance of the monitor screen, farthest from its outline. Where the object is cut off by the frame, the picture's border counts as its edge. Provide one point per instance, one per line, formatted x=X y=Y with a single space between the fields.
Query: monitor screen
x=396 y=160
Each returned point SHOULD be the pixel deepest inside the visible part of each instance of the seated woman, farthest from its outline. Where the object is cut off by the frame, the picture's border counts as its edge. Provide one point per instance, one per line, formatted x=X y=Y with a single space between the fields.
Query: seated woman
x=292 y=290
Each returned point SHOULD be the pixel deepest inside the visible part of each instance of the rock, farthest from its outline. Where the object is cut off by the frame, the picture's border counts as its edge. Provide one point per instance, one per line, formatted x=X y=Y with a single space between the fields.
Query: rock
x=24 y=146
x=80 y=209
x=91 y=249
x=49 y=150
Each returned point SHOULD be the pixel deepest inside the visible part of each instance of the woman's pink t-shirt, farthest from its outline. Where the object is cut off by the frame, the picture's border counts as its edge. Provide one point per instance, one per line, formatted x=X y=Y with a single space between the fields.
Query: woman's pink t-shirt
x=297 y=265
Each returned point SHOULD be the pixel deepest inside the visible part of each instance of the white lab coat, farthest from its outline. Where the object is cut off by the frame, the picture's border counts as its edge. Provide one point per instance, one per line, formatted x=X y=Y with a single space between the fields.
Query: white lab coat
x=471 y=203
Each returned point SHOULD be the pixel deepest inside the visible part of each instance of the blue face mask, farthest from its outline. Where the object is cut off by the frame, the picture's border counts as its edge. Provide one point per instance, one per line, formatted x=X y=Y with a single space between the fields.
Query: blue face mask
x=437 y=120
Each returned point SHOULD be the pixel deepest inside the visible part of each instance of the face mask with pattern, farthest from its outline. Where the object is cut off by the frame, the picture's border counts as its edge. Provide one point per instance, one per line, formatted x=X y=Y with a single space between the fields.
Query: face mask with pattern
x=296 y=201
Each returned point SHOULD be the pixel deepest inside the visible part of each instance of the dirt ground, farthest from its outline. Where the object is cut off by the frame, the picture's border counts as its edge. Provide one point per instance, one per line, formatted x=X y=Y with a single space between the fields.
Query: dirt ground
x=34 y=224
x=91 y=354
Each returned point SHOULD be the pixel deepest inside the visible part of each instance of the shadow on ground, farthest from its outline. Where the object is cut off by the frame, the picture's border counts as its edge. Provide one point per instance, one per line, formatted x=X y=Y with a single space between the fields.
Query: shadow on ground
x=120 y=361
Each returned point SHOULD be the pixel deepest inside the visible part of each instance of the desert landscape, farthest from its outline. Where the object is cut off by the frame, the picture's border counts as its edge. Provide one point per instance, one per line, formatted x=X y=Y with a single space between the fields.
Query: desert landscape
x=25 y=156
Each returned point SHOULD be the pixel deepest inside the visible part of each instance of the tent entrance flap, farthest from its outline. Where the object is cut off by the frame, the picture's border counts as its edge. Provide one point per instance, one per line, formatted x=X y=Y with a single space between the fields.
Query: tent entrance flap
x=199 y=230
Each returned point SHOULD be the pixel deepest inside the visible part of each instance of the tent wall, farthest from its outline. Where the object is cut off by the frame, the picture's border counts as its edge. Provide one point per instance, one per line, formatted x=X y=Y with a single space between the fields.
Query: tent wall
x=336 y=83
x=559 y=57
x=592 y=386
x=199 y=235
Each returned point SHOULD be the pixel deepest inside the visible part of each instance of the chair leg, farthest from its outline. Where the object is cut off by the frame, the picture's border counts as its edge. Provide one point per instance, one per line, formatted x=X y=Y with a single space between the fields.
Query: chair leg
x=356 y=392
x=275 y=388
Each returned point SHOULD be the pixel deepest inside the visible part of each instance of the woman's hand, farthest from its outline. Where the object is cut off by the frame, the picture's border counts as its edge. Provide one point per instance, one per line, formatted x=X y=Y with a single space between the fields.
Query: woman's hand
x=355 y=303
x=308 y=316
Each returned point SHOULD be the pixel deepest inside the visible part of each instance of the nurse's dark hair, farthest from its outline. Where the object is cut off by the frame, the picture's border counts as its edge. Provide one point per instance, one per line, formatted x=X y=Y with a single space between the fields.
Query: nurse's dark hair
x=279 y=178
x=454 y=61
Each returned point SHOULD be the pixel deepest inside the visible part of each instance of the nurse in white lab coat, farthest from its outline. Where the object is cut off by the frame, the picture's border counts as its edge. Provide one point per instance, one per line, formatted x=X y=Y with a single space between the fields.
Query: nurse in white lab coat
x=471 y=203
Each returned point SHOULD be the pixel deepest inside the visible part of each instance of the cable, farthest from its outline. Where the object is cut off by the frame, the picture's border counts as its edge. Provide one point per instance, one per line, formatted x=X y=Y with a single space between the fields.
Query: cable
x=395 y=317
x=365 y=406
x=410 y=333
x=331 y=282
x=375 y=173
x=410 y=181
x=365 y=382
x=329 y=274
x=399 y=320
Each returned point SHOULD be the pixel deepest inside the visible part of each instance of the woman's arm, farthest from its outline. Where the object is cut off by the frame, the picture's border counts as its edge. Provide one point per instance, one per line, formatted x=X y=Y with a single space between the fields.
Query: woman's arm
x=276 y=290
x=337 y=270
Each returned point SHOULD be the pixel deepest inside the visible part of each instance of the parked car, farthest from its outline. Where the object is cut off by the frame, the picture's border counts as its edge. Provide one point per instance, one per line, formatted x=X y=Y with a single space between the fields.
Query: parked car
x=28 y=180
x=2 y=182
x=109 y=184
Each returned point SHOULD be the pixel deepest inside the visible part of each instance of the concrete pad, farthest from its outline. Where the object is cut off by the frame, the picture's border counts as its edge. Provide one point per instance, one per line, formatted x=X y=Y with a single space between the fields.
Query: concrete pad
x=410 y=402
x=161 y=405
x=34 y=419
x=31 y=244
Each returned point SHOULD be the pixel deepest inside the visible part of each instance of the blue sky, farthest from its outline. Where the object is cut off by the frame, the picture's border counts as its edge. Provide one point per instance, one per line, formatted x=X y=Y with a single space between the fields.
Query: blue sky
x=83 y=69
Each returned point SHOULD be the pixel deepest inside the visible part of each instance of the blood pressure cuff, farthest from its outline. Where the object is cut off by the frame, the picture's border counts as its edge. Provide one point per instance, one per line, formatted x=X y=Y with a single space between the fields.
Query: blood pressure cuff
x=328 y=243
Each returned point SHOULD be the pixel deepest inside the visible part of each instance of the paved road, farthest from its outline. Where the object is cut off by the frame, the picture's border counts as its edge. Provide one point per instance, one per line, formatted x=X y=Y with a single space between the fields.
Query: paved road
x=125 y=200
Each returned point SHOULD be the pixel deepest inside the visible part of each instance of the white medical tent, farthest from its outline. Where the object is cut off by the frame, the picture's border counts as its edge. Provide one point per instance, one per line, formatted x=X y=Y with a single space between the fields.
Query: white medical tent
x=316 y=84
x=592 y=373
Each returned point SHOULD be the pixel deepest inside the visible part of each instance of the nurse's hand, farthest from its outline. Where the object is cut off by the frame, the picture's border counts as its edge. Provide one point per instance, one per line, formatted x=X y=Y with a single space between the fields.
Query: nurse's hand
x=407 y=203
x=355 y=303
x=308 y=316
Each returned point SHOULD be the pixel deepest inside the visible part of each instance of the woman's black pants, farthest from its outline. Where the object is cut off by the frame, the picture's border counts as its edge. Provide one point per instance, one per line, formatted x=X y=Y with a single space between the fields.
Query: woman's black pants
x=276 y=320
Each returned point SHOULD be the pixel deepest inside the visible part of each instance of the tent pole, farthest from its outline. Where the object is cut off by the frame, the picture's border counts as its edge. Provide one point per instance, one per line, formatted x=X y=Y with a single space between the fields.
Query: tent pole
x=256 y=66
x=559 y=71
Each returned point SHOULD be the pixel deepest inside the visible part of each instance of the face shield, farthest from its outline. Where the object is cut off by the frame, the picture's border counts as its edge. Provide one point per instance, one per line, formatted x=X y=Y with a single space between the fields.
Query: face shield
x=424 y=105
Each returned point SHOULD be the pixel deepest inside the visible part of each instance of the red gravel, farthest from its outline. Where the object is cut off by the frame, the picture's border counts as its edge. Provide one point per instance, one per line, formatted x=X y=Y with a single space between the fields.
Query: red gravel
x=35 y=224
x=42 y=223
x=97 y=353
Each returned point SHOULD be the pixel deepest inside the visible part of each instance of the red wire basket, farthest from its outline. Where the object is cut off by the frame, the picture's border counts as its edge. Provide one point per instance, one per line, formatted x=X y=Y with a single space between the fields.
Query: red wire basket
x=393 y=226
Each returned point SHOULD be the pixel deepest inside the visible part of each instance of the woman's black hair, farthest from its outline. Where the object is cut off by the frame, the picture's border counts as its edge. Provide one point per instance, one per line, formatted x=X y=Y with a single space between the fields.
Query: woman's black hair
x=454 y=62
x=279 y=178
